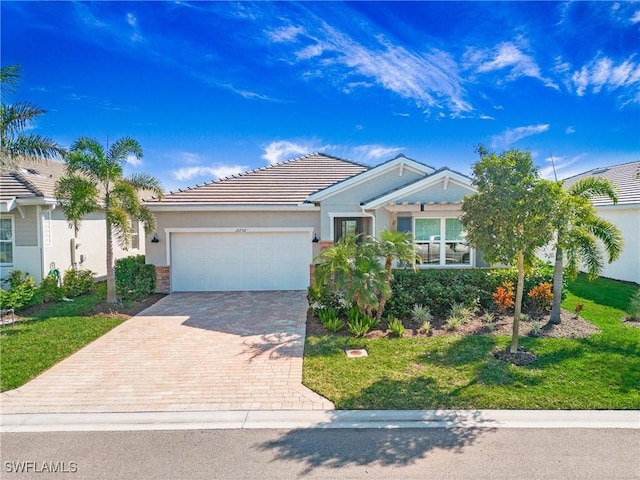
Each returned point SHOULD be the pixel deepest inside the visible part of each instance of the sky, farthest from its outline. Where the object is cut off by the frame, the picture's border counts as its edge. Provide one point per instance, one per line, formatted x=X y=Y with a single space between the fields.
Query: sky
x=210 y=89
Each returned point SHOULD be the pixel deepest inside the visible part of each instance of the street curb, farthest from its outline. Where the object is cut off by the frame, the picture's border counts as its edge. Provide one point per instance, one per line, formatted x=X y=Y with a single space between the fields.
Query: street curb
x=324 y=419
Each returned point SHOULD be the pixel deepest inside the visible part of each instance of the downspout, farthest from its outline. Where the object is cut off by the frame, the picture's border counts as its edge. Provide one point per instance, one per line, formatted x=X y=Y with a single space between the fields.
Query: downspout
x=373 y=220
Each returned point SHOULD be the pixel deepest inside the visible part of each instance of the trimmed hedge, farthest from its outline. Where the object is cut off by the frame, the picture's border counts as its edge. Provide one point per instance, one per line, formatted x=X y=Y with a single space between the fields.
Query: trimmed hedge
x=439 y=289
x=134 y=278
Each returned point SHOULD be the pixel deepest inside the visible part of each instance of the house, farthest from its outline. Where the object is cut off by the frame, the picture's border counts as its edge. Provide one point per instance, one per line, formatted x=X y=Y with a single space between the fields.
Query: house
x=625 y=215
x=261 y=230
x=34 y=233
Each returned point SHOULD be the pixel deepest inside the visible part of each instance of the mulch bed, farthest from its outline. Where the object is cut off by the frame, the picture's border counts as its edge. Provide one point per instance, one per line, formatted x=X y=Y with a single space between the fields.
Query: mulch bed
x=570 y=326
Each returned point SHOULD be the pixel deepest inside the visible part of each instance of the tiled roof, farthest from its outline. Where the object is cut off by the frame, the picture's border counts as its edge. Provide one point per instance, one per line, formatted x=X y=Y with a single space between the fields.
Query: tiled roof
x=288 y=183
x=32 y=179
x=625 y=176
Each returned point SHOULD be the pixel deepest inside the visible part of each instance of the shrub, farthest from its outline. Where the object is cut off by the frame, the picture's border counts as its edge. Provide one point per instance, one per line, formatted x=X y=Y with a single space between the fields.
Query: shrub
x=489 y=321
x=421 y=314
x=134 y=278
x=459 y=314
x=78 y=282
x=50 y=290
x=425 y=327
x=634 y=307
x=396 y=327
x=536 y=328
x=504 y=296
x=21 y=290
x=330 y=320
x=541 y=297
x=358 y=323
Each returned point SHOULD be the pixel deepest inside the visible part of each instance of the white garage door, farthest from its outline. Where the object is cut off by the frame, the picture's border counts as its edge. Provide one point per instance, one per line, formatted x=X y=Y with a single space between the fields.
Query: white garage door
x=248 y=260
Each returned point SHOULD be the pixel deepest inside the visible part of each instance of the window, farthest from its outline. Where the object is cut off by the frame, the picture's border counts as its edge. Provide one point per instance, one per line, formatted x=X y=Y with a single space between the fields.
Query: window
x=135 y=234
x=343 y=227
x=6 y=241
x=429 y=235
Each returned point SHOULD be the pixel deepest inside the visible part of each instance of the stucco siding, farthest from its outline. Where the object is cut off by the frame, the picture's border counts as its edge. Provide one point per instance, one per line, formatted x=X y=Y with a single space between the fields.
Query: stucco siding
x=437 y=194
x=627 y=219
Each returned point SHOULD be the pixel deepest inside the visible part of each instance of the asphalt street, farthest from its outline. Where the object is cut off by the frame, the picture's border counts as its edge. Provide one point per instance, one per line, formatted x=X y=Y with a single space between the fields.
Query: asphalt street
x=434 y=453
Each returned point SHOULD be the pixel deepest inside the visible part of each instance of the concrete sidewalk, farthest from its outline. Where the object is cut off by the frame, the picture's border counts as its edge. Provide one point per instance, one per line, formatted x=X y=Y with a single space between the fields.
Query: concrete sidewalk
x=299 y=419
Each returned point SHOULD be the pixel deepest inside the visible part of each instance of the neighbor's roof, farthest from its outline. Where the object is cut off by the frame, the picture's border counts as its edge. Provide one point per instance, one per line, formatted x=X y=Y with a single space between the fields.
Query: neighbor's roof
x=31 y=179
x=625 y=177
x=288 y=183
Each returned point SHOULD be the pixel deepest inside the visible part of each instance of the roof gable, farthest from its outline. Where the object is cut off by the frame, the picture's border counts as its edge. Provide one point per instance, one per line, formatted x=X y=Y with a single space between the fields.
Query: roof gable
x=399 y=162
x=287 y=183
x=32 y=179
x=443 y=175
x=624 y=176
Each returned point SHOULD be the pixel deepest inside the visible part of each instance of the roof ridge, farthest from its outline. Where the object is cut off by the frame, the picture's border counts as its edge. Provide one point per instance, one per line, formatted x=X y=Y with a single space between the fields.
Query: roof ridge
x=268 y=167
x=587 y=172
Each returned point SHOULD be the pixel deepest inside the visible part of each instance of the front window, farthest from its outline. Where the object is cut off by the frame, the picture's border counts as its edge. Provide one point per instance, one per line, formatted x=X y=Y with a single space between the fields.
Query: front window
x=440 y=241
x=6 y=241
x=344 y=227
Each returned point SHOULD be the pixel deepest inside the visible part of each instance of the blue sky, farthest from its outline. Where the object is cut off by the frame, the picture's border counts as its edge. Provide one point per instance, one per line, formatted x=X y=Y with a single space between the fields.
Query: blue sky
x=213 y=88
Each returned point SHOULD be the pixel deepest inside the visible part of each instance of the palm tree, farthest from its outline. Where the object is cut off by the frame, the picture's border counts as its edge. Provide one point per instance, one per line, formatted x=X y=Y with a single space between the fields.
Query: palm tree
x=15 y=145
x=94 y=181
x=579 y=230
x=399 y=246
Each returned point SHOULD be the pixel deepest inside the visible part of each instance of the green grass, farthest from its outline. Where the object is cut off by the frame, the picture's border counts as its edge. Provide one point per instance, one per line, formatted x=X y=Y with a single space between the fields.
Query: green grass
x=598 y=372
x=32 y=346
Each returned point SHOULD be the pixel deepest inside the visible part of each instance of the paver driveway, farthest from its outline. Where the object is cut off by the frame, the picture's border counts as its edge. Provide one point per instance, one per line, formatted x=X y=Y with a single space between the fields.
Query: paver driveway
x=189 y=351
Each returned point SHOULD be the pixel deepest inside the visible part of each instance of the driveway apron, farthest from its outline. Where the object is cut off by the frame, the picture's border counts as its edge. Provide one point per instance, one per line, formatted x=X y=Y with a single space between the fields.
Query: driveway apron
x=188 y=352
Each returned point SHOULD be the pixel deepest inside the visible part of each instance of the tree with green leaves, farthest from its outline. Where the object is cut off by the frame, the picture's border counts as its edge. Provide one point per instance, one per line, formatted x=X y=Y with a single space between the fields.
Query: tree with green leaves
x=95 y=181
x=362 y=268
x=579 y=231
x=15 y=144
x=510 y=216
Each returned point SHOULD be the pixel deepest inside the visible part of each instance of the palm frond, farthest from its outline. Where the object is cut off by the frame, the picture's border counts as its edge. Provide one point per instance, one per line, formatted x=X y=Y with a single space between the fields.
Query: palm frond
x=78 y=197
x=146 y=182
x=9 y=79
x=584 y=251
x=608 y=234
x=120 y=223
x=18 y=117
x=122 y=148
x=591 y=186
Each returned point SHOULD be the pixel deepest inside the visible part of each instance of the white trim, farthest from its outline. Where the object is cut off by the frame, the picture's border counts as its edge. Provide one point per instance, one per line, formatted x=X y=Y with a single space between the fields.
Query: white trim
x=306 y=207
x=442 y=261
x=37 y=201
x=333 y=215
x=13 y=240
x=447 y=176
x=372 y=173
x=231 y=230
x=7 y=205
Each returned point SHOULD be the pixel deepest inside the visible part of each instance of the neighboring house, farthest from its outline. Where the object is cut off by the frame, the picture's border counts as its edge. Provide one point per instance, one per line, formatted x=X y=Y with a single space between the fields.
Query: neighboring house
x=34 y=233
x=625 y=215
x=262 y=229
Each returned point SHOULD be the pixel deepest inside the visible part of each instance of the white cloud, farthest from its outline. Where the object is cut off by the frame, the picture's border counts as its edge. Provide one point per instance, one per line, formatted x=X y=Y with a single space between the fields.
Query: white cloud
x=375 y=152
x=636 y=17
x=213 y=171
x=512 y=135
x=507 y=56
x=249 y=94
x=570 y=129
x=428 y=79
x=603 y=73
x=486 y=117
x=560 y=163
x=133 y=161
x=401 y=114
x=281 y=150
x=285 y=34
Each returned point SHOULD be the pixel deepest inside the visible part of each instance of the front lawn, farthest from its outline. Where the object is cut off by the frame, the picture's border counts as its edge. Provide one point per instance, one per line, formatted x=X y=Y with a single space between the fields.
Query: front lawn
x=458 y=371
x=47 y=334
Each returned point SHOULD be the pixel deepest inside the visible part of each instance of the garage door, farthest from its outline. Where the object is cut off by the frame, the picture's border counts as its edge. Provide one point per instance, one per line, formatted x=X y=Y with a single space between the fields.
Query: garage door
x=245 y=260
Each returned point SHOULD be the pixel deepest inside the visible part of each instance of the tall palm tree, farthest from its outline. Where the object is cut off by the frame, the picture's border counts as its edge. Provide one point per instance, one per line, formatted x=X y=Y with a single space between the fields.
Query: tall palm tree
x=95 y=181
x=579 y=230
x=15 y=145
